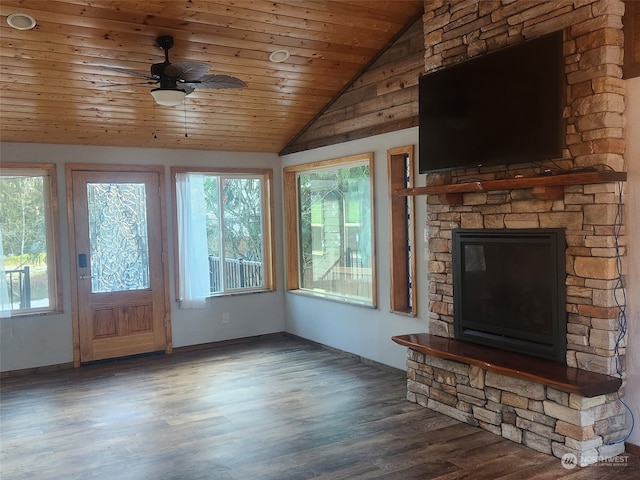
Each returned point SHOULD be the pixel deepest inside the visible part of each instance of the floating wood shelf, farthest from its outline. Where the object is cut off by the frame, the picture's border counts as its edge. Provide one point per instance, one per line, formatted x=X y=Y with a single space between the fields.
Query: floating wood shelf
x=545 y=187
x=546 y=372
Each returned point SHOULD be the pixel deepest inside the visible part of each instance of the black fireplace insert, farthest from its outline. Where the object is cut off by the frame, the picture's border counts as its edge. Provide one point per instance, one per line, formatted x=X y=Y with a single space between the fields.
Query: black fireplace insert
x=509 y=289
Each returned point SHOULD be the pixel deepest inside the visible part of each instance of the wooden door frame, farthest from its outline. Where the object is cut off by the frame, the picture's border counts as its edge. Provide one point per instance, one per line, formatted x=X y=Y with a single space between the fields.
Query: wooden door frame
x=87 y=167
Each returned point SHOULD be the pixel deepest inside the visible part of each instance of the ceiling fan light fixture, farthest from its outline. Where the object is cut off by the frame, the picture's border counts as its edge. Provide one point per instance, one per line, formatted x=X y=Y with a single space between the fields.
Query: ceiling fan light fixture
x=168 y=97
x=21 y=21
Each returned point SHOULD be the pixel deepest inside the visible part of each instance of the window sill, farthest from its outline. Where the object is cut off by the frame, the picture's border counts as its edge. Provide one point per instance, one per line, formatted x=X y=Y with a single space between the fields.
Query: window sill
x=241 y=292
x=235 y=294
x=332 y=298
x=39 y=313
x=404 y=313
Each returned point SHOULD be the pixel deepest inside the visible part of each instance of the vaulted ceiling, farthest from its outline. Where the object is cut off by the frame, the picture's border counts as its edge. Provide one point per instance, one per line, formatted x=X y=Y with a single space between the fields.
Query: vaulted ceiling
x=55 y=86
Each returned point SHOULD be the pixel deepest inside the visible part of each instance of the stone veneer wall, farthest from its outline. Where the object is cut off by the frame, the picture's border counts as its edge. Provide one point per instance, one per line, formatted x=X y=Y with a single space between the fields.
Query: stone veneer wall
x=542 y=418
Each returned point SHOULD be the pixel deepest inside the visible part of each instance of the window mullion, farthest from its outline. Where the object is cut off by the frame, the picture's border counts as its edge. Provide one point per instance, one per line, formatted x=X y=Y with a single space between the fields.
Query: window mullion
x=49 y=230
x=223 y=261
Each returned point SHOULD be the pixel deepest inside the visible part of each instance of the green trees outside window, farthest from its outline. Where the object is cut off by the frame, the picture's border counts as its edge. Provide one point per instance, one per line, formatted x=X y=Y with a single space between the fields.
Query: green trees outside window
x=28 y=269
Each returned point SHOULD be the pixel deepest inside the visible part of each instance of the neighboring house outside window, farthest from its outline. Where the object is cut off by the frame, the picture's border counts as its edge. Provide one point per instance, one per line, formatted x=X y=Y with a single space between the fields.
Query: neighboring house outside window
x=29 y=273
x=224 y=233
x=330 y=249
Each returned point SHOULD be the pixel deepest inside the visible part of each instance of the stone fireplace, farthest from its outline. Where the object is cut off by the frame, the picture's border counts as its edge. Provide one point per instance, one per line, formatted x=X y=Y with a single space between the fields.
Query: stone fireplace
x=540 y=416
x=509 y=289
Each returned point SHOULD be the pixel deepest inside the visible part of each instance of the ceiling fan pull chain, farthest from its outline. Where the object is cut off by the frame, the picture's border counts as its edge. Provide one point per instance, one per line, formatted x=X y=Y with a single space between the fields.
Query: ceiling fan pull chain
x=155 y=136
x=185 y=118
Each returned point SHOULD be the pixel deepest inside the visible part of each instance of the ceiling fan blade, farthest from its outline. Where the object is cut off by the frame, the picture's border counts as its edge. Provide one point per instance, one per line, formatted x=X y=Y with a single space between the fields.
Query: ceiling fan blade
x=187 y=71
x=133 y=73
x=187 y=88
x=217 y=82
x=154 y=82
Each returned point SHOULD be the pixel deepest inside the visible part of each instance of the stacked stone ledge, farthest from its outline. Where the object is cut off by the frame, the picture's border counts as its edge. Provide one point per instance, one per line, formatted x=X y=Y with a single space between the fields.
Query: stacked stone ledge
x=535 y=415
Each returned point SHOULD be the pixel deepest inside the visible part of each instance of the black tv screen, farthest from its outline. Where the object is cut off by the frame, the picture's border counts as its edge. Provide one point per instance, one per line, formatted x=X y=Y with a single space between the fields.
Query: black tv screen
x=500 y=108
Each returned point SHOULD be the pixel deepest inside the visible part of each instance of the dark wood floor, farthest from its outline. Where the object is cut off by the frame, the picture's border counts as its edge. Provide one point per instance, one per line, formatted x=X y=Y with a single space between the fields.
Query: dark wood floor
x=277 y=408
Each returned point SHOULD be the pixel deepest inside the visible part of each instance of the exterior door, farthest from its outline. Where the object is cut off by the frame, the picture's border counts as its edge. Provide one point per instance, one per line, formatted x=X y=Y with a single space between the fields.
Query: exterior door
x=117 y=251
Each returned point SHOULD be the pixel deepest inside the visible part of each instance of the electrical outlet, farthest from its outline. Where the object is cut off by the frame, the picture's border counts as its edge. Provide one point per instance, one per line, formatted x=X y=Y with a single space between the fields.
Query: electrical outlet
x=225 y=317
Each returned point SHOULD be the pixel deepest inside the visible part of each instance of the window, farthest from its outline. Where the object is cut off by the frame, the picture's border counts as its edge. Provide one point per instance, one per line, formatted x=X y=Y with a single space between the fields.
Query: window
x=329 y=229
x=402 y=231
x=224 y=239
x=29 y=274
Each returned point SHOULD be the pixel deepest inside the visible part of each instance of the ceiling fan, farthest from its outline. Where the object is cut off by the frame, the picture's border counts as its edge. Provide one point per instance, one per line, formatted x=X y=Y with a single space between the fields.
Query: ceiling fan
x=178 y=79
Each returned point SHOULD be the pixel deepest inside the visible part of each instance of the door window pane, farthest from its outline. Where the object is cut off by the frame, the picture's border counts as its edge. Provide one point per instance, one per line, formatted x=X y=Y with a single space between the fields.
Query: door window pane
x=118 y=241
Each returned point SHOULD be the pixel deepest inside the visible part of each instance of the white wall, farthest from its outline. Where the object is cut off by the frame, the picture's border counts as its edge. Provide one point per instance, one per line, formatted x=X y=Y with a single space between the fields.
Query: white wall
x=47 y=340
x=632 y=200
x=360 y=330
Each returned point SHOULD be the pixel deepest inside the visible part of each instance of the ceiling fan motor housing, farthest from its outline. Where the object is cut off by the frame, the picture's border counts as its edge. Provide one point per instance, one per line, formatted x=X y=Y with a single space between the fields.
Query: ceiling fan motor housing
x=158 y=69
x=165 y=42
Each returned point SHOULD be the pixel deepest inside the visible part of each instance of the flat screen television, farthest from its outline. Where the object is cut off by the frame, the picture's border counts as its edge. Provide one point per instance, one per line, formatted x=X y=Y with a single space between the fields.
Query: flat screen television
x=503 y=107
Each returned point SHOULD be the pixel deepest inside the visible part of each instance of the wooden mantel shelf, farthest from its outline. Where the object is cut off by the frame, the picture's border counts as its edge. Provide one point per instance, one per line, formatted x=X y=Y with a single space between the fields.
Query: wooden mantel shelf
x=545 y=186
x=546 y=372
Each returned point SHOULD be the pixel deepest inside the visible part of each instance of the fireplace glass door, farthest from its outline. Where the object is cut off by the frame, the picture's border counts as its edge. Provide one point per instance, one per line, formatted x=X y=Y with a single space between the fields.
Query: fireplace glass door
x=509 y=289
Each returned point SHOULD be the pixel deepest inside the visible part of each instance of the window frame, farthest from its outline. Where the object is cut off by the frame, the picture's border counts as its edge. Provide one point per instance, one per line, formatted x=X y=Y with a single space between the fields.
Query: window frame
x=400 y=174
x=50 y=196
x=292 y=227
x=268 y=239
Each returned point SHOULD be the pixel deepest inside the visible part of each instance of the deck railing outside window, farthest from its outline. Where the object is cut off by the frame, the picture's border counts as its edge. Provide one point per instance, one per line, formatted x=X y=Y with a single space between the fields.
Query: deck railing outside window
x=240 y=273
x=19 y=286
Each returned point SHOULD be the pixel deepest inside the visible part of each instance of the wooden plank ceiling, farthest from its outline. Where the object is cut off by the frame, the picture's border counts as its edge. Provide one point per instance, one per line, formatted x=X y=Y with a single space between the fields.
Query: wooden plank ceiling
x=54 y=87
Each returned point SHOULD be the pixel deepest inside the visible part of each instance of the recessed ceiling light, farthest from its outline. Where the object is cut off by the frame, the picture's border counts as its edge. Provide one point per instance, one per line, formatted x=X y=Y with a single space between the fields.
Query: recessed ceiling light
x=21 y=21
x=279 y=56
